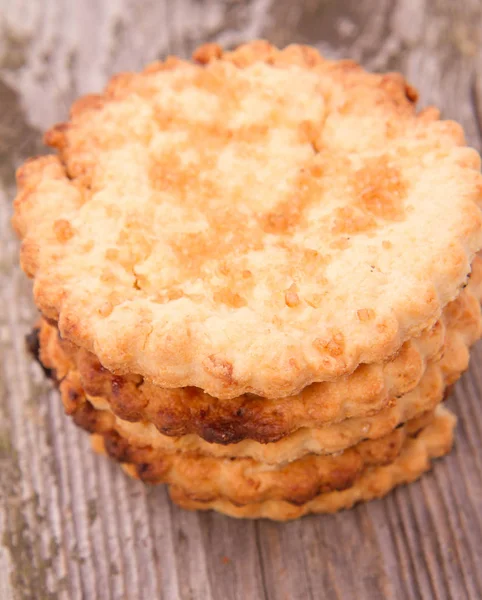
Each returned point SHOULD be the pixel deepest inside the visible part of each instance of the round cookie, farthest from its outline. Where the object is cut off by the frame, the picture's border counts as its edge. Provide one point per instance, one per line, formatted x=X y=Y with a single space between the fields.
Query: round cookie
x=250 y=222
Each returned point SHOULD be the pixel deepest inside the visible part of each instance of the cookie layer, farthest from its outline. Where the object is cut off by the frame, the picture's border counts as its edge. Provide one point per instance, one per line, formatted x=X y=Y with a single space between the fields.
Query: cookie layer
x=414 y=459
x=329 y=439
x=355 y=401
x=244 y=481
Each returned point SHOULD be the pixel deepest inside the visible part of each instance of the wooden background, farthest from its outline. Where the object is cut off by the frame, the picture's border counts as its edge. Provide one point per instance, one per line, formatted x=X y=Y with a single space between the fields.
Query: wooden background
x=72 y=525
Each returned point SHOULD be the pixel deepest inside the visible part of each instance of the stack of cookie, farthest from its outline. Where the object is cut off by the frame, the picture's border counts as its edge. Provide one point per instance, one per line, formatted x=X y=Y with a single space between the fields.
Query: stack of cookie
x=258 y=276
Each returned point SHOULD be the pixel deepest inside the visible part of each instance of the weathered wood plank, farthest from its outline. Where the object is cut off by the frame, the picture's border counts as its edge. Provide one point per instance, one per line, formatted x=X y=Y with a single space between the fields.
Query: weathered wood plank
x=73 y=526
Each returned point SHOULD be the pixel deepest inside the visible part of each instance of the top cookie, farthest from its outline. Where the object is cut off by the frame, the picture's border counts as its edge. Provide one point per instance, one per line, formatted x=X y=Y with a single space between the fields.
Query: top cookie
x=251 y=222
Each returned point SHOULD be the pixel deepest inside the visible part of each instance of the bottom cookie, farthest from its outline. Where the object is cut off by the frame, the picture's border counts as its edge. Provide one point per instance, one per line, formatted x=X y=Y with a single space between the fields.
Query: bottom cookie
x=243 y=481
x=432 y=442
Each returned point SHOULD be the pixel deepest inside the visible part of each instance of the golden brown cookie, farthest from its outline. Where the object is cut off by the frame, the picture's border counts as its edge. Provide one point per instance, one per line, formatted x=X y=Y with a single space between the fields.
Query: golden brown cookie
x=329 y=439
x=332 y=437
x=241 y=480
x=434 y=441
x=245 y=481
x=251 y=222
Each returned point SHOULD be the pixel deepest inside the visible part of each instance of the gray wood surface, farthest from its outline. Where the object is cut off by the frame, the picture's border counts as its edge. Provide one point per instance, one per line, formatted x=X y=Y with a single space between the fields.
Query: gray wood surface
x=72 y=525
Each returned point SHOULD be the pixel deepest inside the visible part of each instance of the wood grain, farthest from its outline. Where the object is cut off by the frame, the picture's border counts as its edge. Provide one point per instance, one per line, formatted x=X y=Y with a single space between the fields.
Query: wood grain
x=72 y=525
